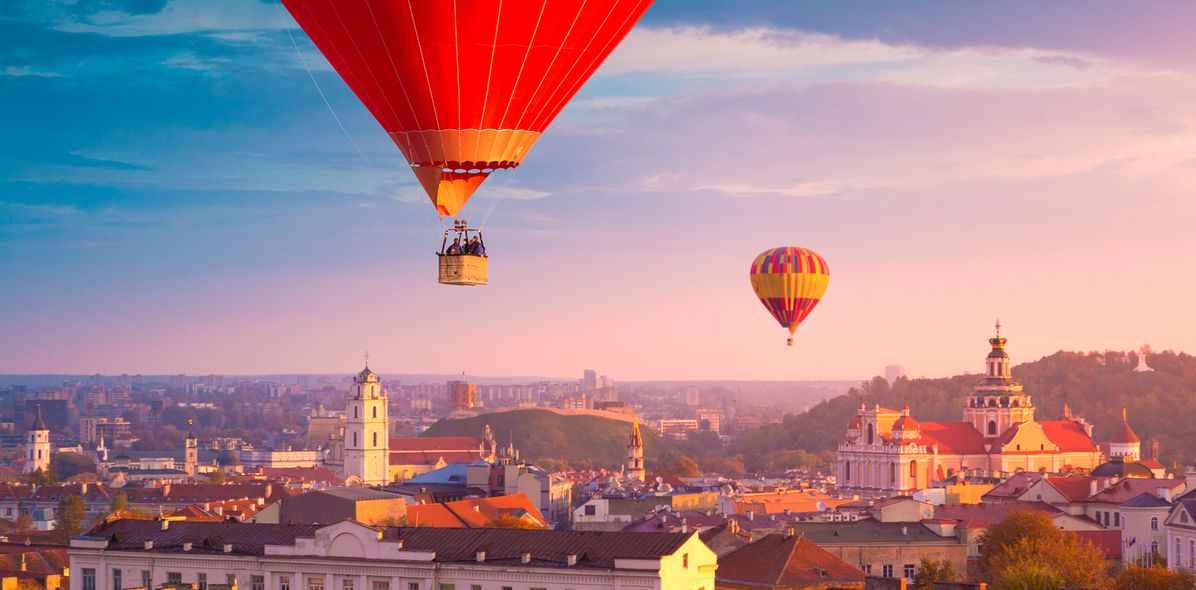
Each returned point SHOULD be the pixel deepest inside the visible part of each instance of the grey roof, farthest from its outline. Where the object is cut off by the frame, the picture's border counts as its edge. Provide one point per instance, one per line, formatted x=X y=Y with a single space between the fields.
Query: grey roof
x=503 y=547
x=1146 y=500
x=868 y=531
x=356 y=493
x=1121 y=469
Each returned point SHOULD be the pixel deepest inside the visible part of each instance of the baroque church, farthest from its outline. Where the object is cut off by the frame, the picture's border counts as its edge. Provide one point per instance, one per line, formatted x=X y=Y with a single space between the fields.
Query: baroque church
x=888 y=452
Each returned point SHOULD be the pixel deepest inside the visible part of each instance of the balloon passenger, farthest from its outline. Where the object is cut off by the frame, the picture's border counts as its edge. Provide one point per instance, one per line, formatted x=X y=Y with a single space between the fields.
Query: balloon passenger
x=455 y=248
x=476 y=248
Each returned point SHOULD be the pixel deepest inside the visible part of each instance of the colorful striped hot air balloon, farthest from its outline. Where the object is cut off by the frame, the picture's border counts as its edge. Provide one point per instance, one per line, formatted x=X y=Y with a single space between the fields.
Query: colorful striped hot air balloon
x=465 y=87
x=790 y=281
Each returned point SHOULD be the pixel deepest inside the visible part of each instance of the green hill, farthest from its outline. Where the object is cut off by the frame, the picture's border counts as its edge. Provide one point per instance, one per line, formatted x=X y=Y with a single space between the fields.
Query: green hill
x=1095 y=385
x=550 y=439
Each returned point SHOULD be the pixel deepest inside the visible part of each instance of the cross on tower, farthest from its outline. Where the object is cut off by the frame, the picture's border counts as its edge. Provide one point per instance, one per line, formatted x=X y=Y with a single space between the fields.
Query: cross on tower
x=367 y=359
x=998 y=328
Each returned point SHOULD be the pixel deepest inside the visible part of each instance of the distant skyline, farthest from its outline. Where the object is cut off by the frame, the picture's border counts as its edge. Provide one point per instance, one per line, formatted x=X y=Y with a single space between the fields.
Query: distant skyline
x=176 y=198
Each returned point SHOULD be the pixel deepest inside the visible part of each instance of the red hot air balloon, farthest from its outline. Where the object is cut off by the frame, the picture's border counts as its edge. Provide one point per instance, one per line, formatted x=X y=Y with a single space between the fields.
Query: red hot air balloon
x=465 y=87
x=789 y=281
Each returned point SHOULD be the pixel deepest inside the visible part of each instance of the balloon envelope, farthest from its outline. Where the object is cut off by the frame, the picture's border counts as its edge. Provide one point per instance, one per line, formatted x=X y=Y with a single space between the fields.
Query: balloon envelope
x=465 y=87
x=789 y=281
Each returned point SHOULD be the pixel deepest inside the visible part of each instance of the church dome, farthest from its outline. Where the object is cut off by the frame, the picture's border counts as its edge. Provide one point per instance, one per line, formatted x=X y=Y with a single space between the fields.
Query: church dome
x=1120 y=468
x=367 y=376
x=906 y=423
x=38 y=423
x=1124 y=434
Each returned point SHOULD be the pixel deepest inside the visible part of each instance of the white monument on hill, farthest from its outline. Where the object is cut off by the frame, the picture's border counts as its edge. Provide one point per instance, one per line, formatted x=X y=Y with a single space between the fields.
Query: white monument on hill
x=1142 y=366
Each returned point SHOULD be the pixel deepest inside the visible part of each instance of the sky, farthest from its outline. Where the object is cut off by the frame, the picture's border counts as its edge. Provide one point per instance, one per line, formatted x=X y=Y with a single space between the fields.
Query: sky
x=176 y=197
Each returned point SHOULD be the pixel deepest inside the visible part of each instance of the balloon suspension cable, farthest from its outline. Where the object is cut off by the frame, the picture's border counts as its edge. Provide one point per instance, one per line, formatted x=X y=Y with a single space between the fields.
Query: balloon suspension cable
x=332 y=111
x=497 y=193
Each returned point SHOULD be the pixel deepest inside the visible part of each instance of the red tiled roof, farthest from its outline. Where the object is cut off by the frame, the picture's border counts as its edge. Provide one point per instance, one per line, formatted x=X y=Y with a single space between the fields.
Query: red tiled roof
x=1151 y=464
x=1068 y=435
x=983 y=515
x=1013 y=486
x=314 y=474
x=954 y=438
x=779 y=562
x=1132 y=486
x=474 y=513
x=1124 y=434
x=1108 y=541
x=1074 y=488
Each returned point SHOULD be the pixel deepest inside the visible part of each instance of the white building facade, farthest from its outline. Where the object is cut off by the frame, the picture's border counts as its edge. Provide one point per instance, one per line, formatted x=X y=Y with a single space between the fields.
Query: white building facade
x=352 y=556
x=367 y=431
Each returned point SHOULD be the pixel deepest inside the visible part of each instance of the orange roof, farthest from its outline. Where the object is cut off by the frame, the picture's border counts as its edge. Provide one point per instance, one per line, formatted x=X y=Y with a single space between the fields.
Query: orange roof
x=1075 y=488
x=952 y=438
x=779 y=562
x=474 y=513
x=1068 y=435
x=791 y=500
x=1124 y=434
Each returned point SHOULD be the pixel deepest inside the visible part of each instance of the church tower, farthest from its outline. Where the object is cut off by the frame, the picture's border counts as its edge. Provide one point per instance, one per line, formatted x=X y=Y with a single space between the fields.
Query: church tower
x=367 y=430
x=1124 y=443
x=997 y=403
x=191 y=453
x=634 y=468
x=37 y=445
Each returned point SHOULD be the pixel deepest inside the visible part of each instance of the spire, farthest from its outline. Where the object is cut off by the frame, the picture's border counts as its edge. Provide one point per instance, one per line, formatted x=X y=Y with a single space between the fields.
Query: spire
x=637 y=440
x=38 y=423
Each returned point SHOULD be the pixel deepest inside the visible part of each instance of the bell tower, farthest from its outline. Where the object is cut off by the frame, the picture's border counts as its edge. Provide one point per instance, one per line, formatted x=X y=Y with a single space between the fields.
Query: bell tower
x=997 y=402
x=37 y=445
x=367 y=430
x=634 y=468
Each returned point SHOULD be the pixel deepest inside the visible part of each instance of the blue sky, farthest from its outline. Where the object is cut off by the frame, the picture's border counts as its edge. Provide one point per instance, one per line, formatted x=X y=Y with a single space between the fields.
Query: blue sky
x=175 y=196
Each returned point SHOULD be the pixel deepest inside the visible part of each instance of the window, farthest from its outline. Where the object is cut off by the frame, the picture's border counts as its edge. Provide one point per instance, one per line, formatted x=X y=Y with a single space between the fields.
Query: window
x=174 y=577
x=284 y=583
x=871 y=433
x=147 y=579
x=255 y=583
x=1154 y=546
x=201 y=581
x=448 y=587
x=375 y=411
x=117 y=583
x=315 y=583
x=867 y=568
x=1154 y=523
x=89 y=578
x=354 y=411
x=413 y=586
x=375 y=439
x=913 y=472
x=1183 y=517
x=354 y=441
x=893 y=472
x=886 y=570
x=591 y=510
x=1116 y=519
x=847 y=470
x=347 y=584
x=1191 y=553
x=907 y=571
x=685 y=560
x=382 y=585
x=8 y=512
x=992 y=428
x=475 y=587
x=1177 y=549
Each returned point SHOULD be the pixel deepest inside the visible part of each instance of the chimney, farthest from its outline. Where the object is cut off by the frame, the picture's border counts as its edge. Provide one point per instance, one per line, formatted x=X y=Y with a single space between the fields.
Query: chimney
x=149 y=545
x=187 y=546
x=751 y=514
x=684 y=525
x=527 y=558
x=1092 y=488
x=571 y=559
x=904 y=530
x=481 y=555
x=83 y=488
x=789 y=532
x=1165 y=494
x=228 y=547
x=165 y=524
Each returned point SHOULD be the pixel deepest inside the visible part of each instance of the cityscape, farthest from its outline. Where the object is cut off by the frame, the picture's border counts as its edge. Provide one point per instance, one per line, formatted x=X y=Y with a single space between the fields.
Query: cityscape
x=292 y=303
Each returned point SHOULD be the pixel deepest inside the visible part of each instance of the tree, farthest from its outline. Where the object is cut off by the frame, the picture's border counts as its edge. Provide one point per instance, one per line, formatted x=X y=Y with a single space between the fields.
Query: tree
x=38 y=477
x=1026 y=552
x=216 y=477
x=930 y=571
x=511 y=522
x=69 y=517
x=120 y=503
x=1154 y=578
x=684 y=467
x=68 y=465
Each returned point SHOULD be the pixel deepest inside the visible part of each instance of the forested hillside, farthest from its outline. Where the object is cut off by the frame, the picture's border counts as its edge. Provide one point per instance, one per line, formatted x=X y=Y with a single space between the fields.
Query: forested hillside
x=1096 y=385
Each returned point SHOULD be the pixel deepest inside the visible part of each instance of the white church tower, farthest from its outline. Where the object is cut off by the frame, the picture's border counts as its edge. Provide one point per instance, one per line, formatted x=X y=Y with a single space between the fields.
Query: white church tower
x=367 y=430
x=37 y=445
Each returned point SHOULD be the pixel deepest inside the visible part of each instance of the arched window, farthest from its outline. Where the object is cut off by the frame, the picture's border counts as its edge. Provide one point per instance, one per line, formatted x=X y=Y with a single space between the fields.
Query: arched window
x=354 y=441
x=847 y=470
x=870 y=433
x=1154 y=546
x=913 y=472
x=354 y=411
x=992 y=402
x=1154 y=523
x=992 y=427
x=375 y=439
x=375 y=412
